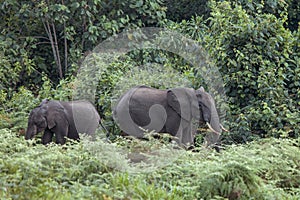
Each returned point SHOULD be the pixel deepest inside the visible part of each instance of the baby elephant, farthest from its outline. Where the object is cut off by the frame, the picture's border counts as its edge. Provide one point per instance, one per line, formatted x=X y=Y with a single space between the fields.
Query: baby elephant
x=64 y=119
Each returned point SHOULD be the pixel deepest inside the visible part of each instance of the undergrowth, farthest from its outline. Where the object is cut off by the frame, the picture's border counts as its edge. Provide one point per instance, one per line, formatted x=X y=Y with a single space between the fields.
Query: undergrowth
x=153 y=169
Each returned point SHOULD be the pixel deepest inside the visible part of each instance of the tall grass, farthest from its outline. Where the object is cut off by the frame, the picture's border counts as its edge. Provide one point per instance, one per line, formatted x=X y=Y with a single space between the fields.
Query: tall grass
x=154 y=169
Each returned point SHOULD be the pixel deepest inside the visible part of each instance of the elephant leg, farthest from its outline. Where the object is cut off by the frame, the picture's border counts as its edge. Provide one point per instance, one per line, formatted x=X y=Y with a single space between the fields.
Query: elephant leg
x=60 y=139
x=187 y=134
x=183 y=136
x=61 y=131
x=181 y=129
x=173 y=122
x=47 y=137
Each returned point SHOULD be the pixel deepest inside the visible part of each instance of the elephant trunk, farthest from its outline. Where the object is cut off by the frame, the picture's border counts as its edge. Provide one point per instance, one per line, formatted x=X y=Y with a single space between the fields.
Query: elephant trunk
x=214 y=126
x=30 y=132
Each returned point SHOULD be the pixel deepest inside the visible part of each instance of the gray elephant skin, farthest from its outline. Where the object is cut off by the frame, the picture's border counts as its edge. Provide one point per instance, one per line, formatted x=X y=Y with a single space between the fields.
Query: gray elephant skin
x=176 y=111
x=64 y=119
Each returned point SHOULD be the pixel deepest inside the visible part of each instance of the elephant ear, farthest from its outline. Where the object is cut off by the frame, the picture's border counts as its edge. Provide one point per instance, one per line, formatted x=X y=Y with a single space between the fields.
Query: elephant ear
x=178 y=100
x=206 y=102
x=45 y=101
x=56 y=116
x=195 y=109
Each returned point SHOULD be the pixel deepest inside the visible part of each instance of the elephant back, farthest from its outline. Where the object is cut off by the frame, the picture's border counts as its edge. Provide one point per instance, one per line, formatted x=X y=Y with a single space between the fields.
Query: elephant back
x=141 y=102
x=141 y=107
x=82 y=116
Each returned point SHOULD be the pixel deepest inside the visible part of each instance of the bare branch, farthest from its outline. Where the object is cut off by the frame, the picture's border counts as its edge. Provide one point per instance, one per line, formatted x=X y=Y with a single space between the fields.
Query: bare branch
x=57 y=52
x=65 y=43
x=53 y=45
x=38 y=43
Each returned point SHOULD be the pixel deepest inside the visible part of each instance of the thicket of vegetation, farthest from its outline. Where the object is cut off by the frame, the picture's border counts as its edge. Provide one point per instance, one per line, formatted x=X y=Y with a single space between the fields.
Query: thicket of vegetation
x=255 y=46
x=268 y=169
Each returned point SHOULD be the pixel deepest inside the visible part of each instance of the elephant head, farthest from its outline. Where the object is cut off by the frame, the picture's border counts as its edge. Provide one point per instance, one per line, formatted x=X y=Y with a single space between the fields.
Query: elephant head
x=199 y=105
x=44 y=117
x=36 y=122
x=209 y=115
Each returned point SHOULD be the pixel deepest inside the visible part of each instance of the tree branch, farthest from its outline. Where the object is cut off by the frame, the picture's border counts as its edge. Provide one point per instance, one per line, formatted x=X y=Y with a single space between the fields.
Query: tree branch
x=57 y=52
x=65 y=44
x=54 y=44
x=48 y=31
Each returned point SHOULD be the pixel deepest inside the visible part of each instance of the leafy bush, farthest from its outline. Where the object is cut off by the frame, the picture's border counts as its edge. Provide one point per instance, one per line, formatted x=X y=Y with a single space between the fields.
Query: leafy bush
x=275 y=7
x=14 y=62
x=185 y=10
x=257 y=56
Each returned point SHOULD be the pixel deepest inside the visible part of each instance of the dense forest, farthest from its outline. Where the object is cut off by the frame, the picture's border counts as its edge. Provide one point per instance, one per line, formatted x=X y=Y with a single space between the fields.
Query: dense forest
x=246 y=53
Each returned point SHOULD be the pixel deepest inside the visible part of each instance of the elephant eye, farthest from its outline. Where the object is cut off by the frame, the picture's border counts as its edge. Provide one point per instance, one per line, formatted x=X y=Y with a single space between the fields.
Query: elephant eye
x=41 y=122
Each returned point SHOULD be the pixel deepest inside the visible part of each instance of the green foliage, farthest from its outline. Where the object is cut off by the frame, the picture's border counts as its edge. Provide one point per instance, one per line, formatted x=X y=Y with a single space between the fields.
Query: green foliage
x=14 y=62
x=255 y=45
x=258 y=58
x=51 y=36
x=14 y=111
x=42 y=44
x=232 y=180
x=268 y=169
x=19 y=107
x=256 y=54
x=288 y=8
x=179 y=10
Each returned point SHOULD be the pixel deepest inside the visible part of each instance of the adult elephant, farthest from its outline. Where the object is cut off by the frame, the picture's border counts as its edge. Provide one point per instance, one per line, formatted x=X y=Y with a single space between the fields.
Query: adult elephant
x=64 y=119
x=176 y=111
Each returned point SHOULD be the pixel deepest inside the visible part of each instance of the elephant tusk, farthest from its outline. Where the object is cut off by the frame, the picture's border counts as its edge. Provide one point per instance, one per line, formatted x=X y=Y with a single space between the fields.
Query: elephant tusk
x=224 y=129
x=214 y=131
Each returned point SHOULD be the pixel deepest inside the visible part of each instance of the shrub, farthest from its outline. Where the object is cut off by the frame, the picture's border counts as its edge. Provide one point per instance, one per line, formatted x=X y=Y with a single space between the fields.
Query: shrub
x=256 y=55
